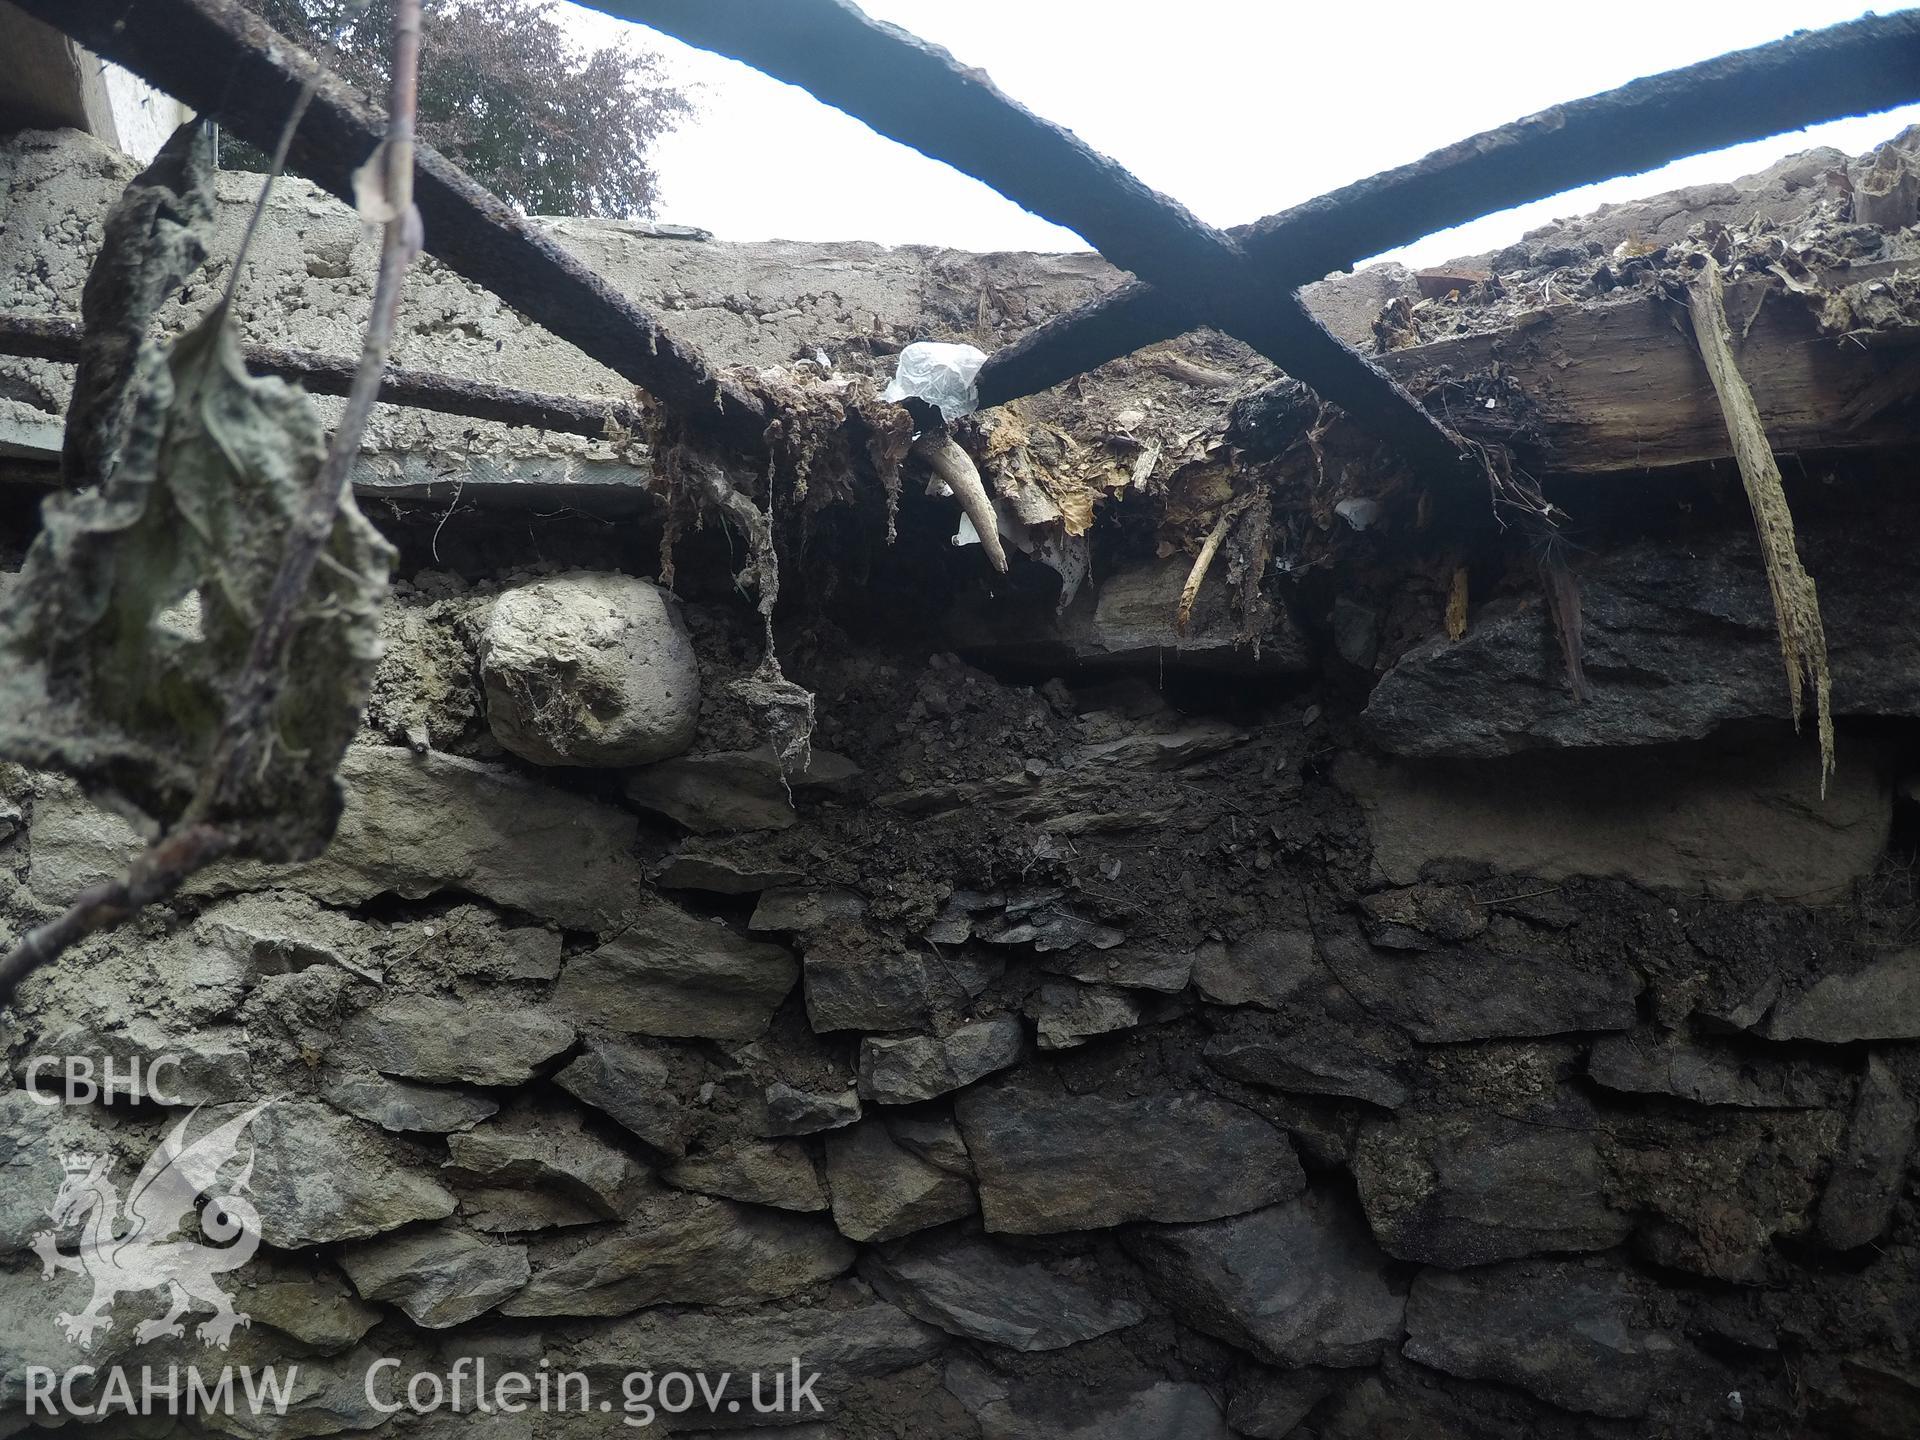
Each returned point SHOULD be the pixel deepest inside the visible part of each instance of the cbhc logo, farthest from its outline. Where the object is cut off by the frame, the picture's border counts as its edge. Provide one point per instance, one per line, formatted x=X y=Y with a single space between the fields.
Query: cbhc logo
x=83 y=1079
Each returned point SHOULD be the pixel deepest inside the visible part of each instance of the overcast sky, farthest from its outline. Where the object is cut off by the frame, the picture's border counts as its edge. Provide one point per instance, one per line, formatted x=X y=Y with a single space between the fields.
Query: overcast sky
x=1237 y=108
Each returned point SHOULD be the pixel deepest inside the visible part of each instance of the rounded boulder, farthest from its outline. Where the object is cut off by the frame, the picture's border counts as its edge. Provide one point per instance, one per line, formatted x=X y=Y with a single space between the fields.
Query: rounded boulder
x=589 y=669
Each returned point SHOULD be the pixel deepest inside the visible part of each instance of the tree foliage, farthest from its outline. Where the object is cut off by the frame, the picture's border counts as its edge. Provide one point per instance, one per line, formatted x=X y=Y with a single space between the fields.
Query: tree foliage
x=508 y=95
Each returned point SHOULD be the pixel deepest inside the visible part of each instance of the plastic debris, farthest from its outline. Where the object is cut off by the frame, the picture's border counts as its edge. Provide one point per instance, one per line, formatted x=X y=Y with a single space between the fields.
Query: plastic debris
x=940 y=374
x=1358 y=513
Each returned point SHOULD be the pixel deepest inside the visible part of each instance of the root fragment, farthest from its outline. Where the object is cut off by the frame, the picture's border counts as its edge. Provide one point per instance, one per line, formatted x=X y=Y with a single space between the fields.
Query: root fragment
x=1197 y=576
x=1457 y=604
x=1796 y=605
x=954 y=466
x=786 y=709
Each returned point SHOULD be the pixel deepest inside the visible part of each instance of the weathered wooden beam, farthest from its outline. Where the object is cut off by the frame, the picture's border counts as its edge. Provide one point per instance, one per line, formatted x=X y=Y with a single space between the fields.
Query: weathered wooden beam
x=1613 y=387
x=1852 y=69
x=48 y=339
x=225 y=63
x=1898 y=383
x=918 y=94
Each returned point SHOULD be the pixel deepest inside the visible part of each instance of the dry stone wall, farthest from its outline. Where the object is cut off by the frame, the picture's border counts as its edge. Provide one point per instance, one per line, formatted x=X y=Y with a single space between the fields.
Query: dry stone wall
x=1100 y=1038
x=1154 y=1104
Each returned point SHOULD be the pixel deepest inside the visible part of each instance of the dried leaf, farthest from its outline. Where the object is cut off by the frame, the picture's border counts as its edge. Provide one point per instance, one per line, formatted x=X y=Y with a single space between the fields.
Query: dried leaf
x=1142 y=471
x=155 y=237
x=370 y=189
x=136 y=606
x=1076 y=512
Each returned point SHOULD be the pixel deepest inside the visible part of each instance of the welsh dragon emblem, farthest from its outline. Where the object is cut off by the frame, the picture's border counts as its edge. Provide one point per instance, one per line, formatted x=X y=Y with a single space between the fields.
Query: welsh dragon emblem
x=144 y=1247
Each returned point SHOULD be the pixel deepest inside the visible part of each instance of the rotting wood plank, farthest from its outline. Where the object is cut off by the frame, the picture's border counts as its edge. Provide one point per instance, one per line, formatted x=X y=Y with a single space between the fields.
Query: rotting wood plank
x=55 y=339
x=919 y=95
x=1615 y=387
x=225 y=63
x=1851 y=69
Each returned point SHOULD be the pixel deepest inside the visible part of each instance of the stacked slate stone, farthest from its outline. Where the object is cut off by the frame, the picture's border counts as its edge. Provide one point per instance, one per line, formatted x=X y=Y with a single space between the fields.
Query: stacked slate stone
x=1041 y=1061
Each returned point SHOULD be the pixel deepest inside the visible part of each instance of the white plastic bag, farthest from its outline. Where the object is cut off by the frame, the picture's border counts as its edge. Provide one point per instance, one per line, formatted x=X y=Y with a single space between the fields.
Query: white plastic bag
x=940 y=374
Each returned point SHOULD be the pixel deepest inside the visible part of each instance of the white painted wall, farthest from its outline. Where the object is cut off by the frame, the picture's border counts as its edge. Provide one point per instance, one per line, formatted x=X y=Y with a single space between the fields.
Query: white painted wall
x=143 y=116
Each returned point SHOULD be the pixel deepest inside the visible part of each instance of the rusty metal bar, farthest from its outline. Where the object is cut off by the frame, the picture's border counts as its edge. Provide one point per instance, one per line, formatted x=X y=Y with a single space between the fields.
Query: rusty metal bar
x=918 y=94
x=229 y=65
x=47 y=339
x=1852 y=69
